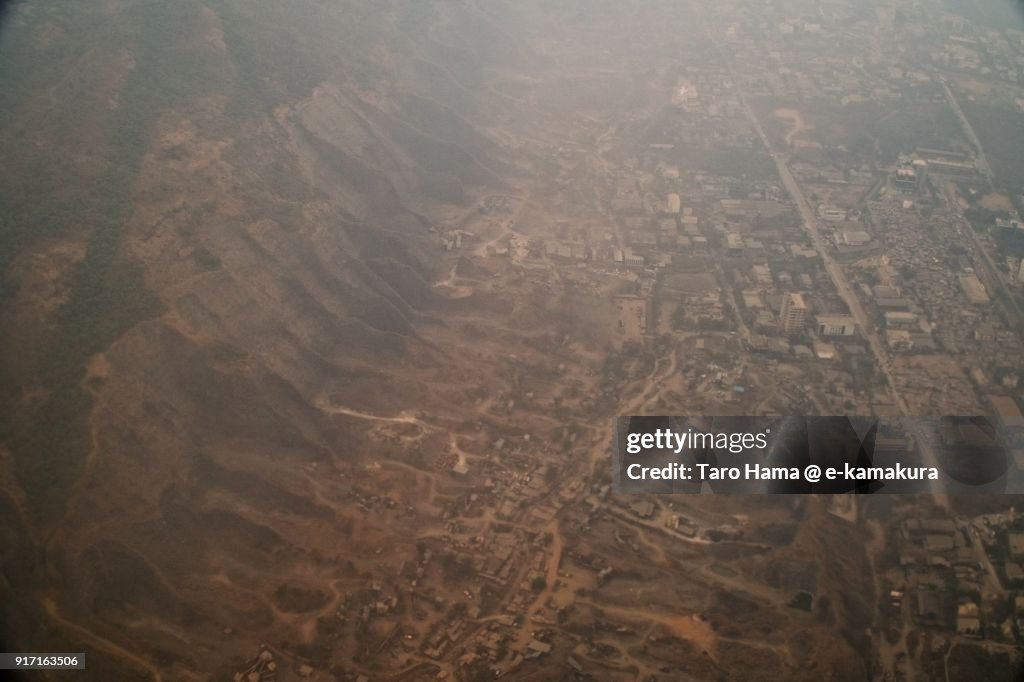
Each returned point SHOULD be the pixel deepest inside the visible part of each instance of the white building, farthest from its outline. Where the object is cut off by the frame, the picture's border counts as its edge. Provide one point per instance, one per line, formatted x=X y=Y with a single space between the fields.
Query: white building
x=793 y=315
x=673 y=204
x=836 y=325
x=831 y=214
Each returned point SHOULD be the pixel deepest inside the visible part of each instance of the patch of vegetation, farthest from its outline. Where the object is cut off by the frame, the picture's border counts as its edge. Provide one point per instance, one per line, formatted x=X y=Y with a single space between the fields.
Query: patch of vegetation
x=206 y=260
x=752 y=163
x=972 y=662
x=107 y=293
x=296 y=599
x=920 y=124
x=802 y=601
x=1000 y=129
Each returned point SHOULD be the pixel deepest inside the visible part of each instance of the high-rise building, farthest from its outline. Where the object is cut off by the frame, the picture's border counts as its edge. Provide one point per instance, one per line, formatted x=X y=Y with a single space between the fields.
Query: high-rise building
x=793 y=314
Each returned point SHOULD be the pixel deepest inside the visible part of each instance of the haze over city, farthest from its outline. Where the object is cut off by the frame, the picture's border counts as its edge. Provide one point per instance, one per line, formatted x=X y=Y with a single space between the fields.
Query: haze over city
x=325 y=325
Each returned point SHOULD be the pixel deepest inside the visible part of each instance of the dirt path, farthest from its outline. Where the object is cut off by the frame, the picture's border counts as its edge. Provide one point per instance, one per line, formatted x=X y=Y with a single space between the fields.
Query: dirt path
x=505 y=231
x=523 y=635
x=795 y=120
x=455 y=291
x=323 y=404
x=652 y=385
x=689 y=628
x=888 y=654
x=100 y=642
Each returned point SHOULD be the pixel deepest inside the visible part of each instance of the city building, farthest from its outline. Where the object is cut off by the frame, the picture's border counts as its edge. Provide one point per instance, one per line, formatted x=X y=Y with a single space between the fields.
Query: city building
x=836 y=325
x=672 y=204
x=793 y=315
x=632 y=260
x=831 y=214
x=900 y=320
x=855 y=238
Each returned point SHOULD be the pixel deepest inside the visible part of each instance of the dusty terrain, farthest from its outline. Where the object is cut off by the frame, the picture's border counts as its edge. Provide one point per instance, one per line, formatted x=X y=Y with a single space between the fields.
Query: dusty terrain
x=268 y=381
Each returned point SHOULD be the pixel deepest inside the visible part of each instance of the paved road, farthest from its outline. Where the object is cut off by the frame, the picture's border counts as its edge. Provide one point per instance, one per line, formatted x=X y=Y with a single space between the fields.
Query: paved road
x=845 y=291
x=989 y=272
x=990 y=576
x=985 y=267
x=87 y=635
x=980 y=160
